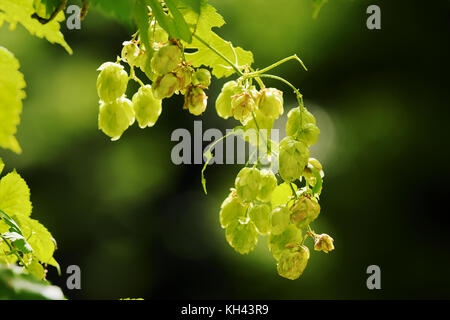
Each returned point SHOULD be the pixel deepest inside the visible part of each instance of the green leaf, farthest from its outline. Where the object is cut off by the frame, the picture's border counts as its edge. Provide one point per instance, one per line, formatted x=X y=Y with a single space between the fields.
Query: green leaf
x=141 y=18
x=318 y=186
x=36 y=269
x=18 y=241
x=14 y=195
x=317 y=4
x=121 y=10
x=2 y=165
x=164 y=20
x=282 y=194
x=54 y=263
x=17 y=285
x=12 y=84
x=45 y=8
x=195 y=5
x=13 y=227
x=39 y=238
x=179 y=22
x=202 y=26
x=20 y=11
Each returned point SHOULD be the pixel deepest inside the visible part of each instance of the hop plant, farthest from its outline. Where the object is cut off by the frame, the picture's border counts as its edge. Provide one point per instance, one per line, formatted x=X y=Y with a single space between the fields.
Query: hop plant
x=223 y=102
x=302 y=125
x=166 y=59
x=278 y=243
x=202 y=77
x=279 y=219
x=304 y=211
x=132 y=54
x=196 y=101
x=232 y=210
x=257 y=205
x=270 y=103
x=157 y=34
x=115 y=117
x=111 y=82
x=309 y=175
x=165 y=86
x=323 y=242
x=146 y=107
x=242 y=236
x=247 y=184
x=184 y=76
x=260 y=215
x=293 y=157
x=242 y=106
x=292 y=263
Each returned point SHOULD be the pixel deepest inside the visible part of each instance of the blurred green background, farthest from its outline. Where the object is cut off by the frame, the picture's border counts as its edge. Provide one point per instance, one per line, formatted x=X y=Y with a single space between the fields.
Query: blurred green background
x=139 y=226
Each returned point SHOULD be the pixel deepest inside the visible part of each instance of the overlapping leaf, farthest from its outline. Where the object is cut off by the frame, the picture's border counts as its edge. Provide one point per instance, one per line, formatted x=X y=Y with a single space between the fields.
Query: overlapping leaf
x=11 y=95
x=20 y=11
x=202 y=27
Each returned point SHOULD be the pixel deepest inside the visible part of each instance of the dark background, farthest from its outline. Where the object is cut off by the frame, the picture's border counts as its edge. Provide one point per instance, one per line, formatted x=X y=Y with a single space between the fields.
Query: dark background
x=139 y=226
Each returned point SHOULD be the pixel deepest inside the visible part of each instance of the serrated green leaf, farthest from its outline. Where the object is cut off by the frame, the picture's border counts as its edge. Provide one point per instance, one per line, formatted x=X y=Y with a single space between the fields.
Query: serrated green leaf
x=282 y=194
x=36 y=269
x=12 y=84
x=18 y=241
x=195 y=5
x=20 y=11
x=141 y=18
x=14 y=195
x=179 y=22
x=12 y=225
x=39 y=238
x=17 y=285
x=202 y=25
x=164 y=20
x=44 y=8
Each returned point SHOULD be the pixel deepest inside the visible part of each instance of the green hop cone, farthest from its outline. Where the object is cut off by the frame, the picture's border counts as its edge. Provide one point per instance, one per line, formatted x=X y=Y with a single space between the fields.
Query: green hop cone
x=111 y=82
x=202 y=77
x=184 y=76
x=247 y=184
x=196 y=101
x=157 y=34
x=242 y=106
x=293 y=157
x=260 y=216
x=251 y=131
x=279 y=219
x=308 y=174
x=166 y=59
x=293 y=262
x=146 y=108
x=132 y=54
x=302 y=126
x=115 y=117
x=304 y=211
x=242 y=236
x=323 y=242
x=165 y=86
x=267 y=185
x=231 y=210
x=223 y=102
x=270 y=103
x=278 y=243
